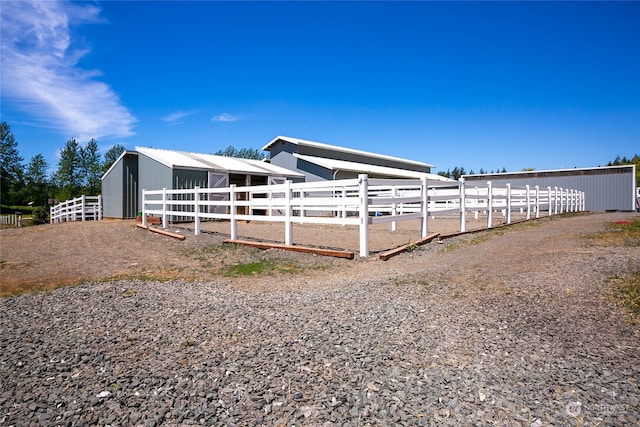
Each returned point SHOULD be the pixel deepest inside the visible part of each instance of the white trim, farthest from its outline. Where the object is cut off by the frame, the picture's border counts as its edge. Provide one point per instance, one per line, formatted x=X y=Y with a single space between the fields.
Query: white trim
x=343 y=165
x=336 y=148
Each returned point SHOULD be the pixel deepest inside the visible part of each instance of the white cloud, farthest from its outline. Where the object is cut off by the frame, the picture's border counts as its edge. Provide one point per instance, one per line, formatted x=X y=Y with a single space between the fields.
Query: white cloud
x=40 y=73
x=174 y=118
x=225 y=117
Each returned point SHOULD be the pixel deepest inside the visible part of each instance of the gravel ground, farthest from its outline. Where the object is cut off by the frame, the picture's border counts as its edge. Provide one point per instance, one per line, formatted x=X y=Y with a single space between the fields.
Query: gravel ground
x=511 y=327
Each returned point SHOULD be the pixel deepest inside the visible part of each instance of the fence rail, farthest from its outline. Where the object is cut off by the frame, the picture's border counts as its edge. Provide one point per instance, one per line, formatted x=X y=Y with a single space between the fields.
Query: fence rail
x=11 y=219
x=361 y=201
x=83 y=208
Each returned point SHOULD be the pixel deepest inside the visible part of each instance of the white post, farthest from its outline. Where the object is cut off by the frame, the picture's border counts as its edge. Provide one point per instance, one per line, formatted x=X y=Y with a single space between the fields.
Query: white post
x=528 y=201
x=288 y=225
x=537 y=201
x=83 y=207
x=489 y=204
x=549 y=199
x=99 y=207
x=424 y=225
x=394 y=207
x=364 y=214
x=144 y=207
x=561 y=200
x=555 y=200
x=232 y=212
x=344 y=206
x=196 y=209
x=164 y=208
x=508 y=203
x=477 y=204
x=463 y=206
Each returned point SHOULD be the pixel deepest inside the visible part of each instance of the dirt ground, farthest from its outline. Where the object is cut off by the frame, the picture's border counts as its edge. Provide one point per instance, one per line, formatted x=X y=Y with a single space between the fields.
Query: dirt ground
x=48 y=256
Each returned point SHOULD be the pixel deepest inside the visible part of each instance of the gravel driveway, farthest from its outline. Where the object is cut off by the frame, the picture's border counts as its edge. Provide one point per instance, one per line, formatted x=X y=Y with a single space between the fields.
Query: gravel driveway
x=511 y=327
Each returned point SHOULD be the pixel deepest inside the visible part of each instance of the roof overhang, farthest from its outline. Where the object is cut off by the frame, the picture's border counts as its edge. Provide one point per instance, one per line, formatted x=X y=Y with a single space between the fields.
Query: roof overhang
x=335 y=148
x=186 y=160
x=343 y=165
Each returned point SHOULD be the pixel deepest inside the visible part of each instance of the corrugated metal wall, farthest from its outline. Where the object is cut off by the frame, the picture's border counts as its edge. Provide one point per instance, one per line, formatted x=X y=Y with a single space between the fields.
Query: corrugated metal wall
x=120 y=188
x=152 y=176
x=606 y=188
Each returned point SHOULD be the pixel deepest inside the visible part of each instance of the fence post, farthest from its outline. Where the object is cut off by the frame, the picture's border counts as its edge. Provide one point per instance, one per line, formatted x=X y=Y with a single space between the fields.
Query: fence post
x=508 y=203
x=83 y=202
x=196 y=209
x=144 y=207
x=363 y=213
x=164 y=207
x=232 y=212
x=394 y=207
x=288 y=225
x=344 y=206
x=50 y=214
x=528 y=201
x=489 y=204
x=463 y=206
x=424 y=225
x=537 y=201
x=561 y=200
x=549 y=199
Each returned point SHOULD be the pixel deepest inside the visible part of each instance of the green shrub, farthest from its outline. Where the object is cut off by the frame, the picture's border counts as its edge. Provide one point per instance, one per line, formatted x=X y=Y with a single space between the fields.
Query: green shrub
x=40 y=216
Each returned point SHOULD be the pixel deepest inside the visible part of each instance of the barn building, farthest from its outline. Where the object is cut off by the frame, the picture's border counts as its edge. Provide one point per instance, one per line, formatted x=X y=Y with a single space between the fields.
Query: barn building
x=318 y=161
x=155 y=169
x=609 y=188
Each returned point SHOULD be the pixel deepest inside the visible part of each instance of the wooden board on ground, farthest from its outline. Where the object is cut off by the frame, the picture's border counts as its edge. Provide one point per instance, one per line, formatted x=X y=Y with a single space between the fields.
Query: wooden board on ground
x=159 y=231
x=306 y=249
x=393 y=252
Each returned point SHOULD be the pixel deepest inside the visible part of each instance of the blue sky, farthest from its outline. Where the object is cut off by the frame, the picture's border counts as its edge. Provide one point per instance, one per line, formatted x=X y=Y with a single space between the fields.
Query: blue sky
x=539 y=85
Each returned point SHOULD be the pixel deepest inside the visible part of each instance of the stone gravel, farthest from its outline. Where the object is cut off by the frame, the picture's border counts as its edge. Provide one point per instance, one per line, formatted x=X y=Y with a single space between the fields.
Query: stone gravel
x=516 y=329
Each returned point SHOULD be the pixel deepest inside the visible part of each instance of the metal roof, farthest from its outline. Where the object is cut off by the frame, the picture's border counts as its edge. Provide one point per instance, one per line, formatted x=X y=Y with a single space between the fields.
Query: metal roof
x=344 y=165
x=183 y=159
x=336 y=148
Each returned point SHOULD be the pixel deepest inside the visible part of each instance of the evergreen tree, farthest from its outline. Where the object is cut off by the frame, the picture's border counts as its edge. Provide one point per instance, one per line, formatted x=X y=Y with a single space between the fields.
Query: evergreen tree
x=37 y=184
x=11 y=168
x=111 y=156
x=69 y=175
x=244 y=153
x=91 y=168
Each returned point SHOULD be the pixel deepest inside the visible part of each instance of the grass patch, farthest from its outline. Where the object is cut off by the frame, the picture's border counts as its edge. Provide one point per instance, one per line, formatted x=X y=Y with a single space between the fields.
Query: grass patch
x=627 y=290
x=263 y=266
x=622 y=233
x=618 y=233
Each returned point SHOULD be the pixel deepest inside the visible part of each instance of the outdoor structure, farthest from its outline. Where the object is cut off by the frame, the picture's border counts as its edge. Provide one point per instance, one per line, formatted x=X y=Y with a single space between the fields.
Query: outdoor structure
x=155 y=169
x=609 y=188
x=323 y=162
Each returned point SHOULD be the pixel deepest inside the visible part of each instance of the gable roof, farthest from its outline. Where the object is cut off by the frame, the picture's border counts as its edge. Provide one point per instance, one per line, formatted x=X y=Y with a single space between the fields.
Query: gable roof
x=344 y=165
x=335 y=148
x=183 y=159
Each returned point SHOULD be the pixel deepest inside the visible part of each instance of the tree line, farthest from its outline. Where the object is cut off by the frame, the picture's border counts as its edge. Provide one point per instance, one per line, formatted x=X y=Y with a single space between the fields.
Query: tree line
x=78 y=172
x=457 y=172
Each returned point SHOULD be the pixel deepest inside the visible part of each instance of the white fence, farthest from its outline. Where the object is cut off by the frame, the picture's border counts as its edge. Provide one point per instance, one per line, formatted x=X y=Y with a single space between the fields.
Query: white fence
x=11 y=219
x=83 y=208
x=362 y=201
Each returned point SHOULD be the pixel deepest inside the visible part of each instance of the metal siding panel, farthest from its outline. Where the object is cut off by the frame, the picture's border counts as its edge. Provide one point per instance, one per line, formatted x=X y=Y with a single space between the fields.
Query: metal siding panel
x=608 y=190
x=112 y=192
